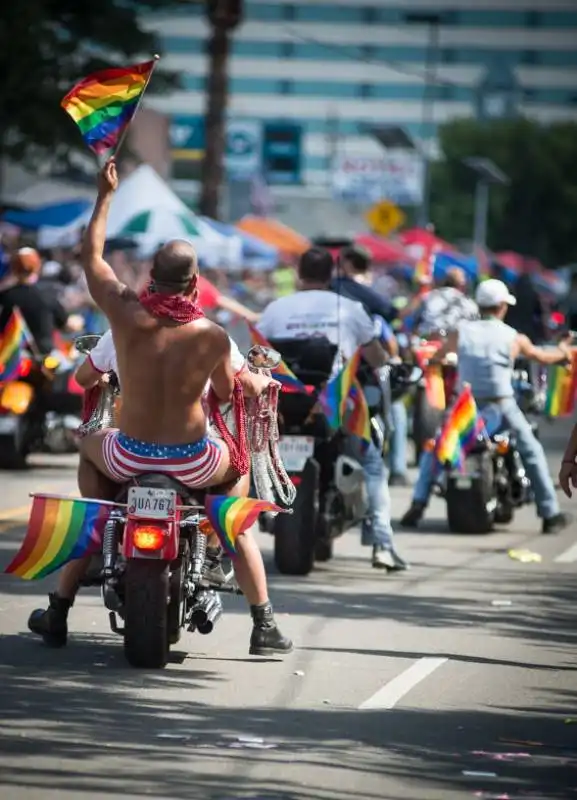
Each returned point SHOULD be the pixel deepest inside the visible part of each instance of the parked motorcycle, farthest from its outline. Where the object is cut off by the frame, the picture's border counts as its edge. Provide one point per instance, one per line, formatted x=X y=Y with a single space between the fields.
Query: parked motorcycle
x=493 y=483
x=39 y=410
x=331 y=494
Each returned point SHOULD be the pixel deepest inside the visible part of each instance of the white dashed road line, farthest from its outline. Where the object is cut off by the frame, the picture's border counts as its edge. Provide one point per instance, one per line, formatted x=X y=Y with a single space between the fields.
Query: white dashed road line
x=393 y=691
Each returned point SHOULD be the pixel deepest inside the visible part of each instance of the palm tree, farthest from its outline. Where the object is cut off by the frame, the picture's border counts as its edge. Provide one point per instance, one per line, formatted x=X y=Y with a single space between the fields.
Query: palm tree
x=224 y=16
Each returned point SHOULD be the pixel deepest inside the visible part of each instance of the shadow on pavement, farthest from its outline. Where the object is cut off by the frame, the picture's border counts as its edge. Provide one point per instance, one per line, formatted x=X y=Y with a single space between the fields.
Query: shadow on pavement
x=69 y=725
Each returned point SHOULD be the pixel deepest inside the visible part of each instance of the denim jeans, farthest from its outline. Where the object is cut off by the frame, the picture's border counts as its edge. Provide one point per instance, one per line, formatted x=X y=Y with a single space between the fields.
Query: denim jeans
x=531 y=452
x=398 y=443
x=376 y=529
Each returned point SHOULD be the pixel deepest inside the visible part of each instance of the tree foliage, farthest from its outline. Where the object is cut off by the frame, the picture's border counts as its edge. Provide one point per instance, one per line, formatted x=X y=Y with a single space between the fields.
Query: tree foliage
x=48 y=45
x=536 y=213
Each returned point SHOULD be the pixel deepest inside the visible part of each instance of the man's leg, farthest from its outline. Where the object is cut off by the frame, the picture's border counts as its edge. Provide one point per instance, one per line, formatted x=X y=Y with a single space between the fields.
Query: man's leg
x=398 y=445
x=52 y=623
x=534 y=460
x=422 y=491
x=377 y=530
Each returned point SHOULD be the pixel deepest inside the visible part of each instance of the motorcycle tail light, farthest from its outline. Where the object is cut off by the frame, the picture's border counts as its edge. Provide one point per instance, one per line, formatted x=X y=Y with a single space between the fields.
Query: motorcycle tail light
x=205 y=526
x=149 y=537
x=25 y=367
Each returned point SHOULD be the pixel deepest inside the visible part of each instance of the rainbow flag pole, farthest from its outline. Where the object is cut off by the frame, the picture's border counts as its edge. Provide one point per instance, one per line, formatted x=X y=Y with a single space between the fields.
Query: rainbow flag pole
x=103 y=105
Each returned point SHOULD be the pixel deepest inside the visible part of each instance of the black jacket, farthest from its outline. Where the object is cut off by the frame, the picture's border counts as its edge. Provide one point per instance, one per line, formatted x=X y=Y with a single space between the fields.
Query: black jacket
x=373 y=302
x=41 y=309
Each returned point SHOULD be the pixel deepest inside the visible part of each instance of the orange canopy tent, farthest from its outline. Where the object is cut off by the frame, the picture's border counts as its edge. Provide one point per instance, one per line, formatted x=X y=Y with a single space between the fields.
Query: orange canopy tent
x=288 y=242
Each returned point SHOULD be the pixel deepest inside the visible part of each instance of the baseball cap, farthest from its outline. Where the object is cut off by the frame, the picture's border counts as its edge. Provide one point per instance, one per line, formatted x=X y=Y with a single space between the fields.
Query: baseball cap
x=492 y=293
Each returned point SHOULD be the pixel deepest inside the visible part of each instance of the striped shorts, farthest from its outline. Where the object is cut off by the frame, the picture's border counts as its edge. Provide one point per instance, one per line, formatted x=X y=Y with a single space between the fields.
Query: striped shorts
x=194 y=464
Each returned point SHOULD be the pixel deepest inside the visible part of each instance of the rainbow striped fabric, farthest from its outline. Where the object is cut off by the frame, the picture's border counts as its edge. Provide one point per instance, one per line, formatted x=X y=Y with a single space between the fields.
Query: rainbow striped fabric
x=562 y=389
x=460 y=430
x=357 y=420
x=334 y=397
x=58 y=531
x=13 y=339
x=231 y=516
x=103 y=104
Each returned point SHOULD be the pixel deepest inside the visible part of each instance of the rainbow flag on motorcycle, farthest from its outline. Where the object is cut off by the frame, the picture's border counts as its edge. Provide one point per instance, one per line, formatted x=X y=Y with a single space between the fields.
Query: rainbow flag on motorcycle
x=460 y=430
x=343 y=401
x=562 y=389
x=59 y=530
x=13 y=340
x=282 y=373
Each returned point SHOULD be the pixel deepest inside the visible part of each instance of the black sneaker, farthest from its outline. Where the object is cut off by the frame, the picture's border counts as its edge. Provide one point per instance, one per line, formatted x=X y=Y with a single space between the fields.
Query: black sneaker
x=397 y=479
x=51 y=624
x=266 y=638
x=388 y=559
x=413 y=516
x=556 y=523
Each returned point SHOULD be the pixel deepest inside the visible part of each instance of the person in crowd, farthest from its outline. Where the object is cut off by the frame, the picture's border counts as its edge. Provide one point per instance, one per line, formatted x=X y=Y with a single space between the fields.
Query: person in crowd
x=42 y=311
x=443 y=308
x=315 y=310
x=487 y=349
x=527 y=316
x=166 y=352
x=352 y=279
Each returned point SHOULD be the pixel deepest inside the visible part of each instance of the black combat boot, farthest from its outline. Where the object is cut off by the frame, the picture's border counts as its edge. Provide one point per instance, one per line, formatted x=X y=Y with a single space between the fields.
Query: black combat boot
x=266 y=638
x=51 y=624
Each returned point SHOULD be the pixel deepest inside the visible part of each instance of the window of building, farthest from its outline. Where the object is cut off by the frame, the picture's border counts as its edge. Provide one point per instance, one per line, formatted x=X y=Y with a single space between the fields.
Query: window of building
x=321 y=52
x=533 y=19
x=310 y=12
x=364 y=90
x=254 y=49
x=448 y=55
x=398 y=91
x=336 y=89
x=530 y=57
x=183 y=44
x=265 y=11
x=401 y=53
x=285 y=87
x=289 y=12
x=254 y=85
x=287 y=49
x=558 y=58
x=370 y=15
x=558 y=19
x=491 y=19
x=193 y=83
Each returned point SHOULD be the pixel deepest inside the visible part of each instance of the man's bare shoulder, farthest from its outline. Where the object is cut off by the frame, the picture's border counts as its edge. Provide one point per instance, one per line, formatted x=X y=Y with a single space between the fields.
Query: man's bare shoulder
x=206 y=328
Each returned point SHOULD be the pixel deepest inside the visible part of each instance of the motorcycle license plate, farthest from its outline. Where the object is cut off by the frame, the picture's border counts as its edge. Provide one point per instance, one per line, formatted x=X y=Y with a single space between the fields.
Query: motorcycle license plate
x=294 y=451
x=151 y=503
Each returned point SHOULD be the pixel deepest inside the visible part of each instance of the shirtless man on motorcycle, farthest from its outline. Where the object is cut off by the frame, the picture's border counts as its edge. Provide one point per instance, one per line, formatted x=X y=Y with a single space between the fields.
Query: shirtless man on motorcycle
x=166 y=351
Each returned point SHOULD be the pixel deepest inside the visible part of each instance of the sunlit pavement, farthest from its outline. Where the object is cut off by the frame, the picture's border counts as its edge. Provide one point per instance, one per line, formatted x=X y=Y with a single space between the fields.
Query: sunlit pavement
x=455 y=680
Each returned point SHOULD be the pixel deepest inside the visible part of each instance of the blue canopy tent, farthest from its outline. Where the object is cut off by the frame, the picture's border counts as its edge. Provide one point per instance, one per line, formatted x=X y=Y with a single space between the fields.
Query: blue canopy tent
x=445 y=261
x=256 y=254
x=55 y=214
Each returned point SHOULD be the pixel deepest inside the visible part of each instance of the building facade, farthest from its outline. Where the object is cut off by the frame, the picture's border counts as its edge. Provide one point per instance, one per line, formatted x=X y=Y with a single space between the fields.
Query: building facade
x=308 y=78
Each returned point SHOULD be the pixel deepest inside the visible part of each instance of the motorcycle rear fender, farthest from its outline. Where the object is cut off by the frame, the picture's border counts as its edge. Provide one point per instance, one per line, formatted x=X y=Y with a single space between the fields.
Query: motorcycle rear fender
x=16 y=397
x=168 y=552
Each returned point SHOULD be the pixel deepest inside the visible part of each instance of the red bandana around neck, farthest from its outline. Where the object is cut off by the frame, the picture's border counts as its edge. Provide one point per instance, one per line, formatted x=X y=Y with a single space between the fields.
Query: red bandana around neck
x=174 y=307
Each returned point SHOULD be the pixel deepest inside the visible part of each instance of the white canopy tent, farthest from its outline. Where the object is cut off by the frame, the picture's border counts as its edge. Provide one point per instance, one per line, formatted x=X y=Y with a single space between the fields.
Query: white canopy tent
x=146 y=209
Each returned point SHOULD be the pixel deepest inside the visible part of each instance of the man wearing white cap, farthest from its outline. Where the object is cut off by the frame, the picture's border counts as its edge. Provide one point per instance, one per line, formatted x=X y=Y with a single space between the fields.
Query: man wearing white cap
x=487 y=350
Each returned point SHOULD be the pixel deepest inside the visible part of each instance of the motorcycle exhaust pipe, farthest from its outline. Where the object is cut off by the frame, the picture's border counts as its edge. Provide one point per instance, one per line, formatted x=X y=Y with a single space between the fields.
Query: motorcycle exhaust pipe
x=206 y=612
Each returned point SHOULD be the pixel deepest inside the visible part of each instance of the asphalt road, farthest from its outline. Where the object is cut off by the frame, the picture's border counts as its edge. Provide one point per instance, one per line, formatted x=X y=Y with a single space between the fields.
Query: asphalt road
x=456 y=680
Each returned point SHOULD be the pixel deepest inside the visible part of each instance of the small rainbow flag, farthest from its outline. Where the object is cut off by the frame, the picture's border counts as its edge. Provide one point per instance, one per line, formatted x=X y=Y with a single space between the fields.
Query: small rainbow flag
x=231 y=516
x=13 y=339
x=103 y=104
x=282 y=373
x=562 y=389
x=357 y=420
x=59 y=531
x=335 y=396
x=459 y=431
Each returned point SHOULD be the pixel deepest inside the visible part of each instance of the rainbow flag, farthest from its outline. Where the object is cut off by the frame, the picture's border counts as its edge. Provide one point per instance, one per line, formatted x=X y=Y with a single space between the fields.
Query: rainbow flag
x=231 y=516
x=103 y=104
x=459 y=431
x=59 y=531
x=13 y=339
x=357 y=419
x=335 y=396
x=562 y=389
x=282 y=373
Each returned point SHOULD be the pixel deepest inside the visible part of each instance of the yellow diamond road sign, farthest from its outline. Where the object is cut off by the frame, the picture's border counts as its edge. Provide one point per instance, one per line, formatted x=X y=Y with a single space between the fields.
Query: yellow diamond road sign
x=384 y=218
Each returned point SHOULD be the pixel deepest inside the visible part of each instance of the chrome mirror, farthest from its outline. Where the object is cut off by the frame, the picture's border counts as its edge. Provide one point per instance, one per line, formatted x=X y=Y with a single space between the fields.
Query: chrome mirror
x=259 y=357
x=84 y=344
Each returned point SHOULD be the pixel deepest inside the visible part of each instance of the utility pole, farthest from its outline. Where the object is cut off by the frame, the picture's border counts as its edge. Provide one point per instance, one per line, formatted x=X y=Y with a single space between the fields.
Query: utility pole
x=224 y=16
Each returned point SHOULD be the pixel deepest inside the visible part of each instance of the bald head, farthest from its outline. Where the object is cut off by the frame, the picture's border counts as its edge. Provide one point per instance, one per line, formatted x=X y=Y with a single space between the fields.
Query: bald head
x=175 y=268
x=456 y=278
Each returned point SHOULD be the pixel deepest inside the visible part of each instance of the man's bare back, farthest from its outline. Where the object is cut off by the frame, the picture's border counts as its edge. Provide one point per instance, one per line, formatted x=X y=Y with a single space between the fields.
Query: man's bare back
x=164 y=369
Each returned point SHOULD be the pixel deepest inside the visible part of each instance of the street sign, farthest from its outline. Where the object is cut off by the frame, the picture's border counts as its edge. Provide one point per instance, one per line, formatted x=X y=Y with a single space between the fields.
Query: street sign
x=396 y=176
x=384 y=218
x=243 y=149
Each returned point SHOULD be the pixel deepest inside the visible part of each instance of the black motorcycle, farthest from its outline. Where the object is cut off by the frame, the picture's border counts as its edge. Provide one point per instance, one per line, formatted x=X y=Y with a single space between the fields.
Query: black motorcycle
x=493 y=483
x=331 y=495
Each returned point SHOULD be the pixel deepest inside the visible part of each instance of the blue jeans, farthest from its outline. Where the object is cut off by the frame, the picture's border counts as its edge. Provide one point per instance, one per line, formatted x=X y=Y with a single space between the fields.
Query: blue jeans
x=531 y=452
x=398 y=443
x=376 y=529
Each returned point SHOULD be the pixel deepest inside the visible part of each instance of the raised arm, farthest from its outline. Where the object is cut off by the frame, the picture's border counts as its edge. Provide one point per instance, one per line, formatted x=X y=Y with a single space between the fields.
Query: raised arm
x=103 y=284
x=525 y=347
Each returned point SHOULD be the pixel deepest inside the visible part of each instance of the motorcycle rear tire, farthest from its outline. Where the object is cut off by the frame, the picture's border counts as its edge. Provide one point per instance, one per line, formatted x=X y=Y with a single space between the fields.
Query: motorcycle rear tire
x=426 y=420
x=146 y=636
x=13 y=451
x=177 y=599
x=467 y=510
x=295 y=534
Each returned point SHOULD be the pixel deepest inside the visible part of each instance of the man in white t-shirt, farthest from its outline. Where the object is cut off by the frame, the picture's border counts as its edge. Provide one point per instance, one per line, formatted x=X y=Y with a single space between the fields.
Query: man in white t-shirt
x=317 y=311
